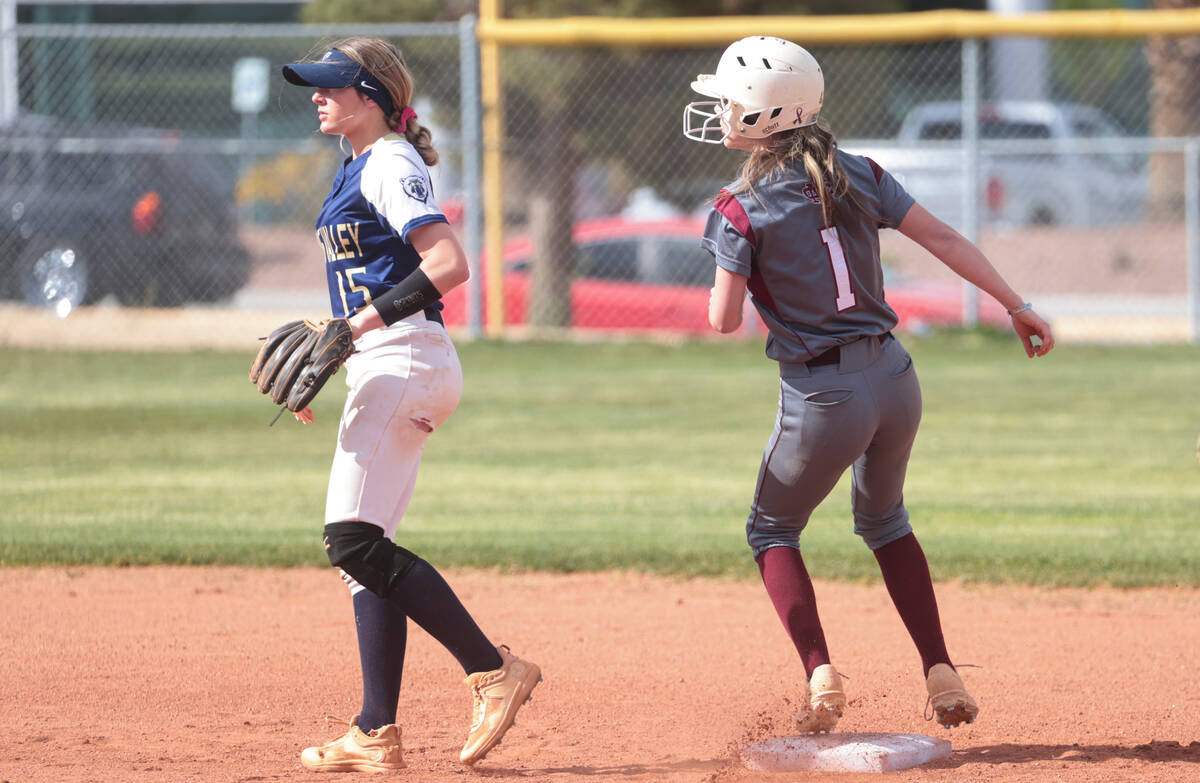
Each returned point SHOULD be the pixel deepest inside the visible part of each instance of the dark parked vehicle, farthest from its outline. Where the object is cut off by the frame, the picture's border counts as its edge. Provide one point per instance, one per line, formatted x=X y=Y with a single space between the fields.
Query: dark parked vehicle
x=97 y=210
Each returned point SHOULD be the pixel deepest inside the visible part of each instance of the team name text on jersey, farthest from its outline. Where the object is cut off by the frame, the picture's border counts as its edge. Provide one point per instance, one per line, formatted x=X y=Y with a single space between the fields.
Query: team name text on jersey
x=337 y=239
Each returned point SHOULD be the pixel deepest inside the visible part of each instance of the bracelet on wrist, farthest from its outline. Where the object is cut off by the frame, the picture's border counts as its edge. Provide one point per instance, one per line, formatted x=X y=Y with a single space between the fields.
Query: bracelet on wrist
x=1021 y=309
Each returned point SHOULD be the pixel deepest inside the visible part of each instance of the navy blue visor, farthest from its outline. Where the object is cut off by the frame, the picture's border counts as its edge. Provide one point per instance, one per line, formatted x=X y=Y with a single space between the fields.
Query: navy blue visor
x=337 y=69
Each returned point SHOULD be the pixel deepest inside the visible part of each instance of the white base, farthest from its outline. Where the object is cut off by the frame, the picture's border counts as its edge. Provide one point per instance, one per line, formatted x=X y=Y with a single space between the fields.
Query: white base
x=847 y=752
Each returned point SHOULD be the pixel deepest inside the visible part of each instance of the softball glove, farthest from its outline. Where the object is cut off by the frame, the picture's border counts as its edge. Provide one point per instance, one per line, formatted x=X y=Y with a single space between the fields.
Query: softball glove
x=297 y=359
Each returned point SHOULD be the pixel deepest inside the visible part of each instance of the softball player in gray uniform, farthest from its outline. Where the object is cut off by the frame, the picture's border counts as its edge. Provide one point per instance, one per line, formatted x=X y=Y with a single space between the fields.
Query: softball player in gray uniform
x=390 y=256
x=799 y=231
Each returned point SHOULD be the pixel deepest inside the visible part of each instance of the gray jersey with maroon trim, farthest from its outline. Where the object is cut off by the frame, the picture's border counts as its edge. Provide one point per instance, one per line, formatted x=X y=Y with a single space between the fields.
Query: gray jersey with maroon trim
x=815 y=287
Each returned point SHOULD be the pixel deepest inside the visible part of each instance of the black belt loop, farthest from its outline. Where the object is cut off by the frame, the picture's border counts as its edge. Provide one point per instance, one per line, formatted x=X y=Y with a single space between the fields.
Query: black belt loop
x=834 y=355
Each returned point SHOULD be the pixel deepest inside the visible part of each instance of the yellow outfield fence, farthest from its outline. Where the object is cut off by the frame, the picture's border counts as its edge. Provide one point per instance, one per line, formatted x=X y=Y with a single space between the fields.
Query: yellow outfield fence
x=818 y=30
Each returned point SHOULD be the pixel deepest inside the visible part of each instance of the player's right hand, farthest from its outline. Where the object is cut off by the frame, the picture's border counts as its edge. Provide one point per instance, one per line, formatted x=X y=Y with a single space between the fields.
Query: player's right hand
x=1028 y=324
x=305 y=416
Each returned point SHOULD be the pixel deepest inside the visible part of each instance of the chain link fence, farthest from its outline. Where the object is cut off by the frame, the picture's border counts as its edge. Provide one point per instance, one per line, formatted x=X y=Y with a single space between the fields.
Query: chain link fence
x=129 y=175
x=1062 y=179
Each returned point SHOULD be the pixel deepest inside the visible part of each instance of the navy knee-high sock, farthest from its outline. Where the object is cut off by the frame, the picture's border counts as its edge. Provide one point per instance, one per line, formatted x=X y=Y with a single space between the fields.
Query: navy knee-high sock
x=424 y=596
x=382 y=636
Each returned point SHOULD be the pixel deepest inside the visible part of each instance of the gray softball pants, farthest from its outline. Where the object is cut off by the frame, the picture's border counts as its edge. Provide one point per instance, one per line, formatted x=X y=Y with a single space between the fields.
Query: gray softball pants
x=863 y=413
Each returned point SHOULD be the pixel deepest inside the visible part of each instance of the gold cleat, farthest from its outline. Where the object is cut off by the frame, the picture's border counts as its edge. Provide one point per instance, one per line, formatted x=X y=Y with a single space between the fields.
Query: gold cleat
x=952 y=705
x=357 y=751
x=824 y=701
x=498 y=695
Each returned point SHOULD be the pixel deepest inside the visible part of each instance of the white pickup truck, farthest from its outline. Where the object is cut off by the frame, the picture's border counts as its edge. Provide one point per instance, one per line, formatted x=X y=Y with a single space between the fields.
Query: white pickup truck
x=1040 y=163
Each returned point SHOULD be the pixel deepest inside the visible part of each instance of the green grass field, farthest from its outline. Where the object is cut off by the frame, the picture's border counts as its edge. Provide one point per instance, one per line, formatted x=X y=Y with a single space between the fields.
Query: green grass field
x=1077 y=469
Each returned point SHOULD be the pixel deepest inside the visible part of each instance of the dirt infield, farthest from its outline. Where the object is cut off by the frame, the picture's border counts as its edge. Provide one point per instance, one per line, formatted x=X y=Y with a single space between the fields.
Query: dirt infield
x=224 y=674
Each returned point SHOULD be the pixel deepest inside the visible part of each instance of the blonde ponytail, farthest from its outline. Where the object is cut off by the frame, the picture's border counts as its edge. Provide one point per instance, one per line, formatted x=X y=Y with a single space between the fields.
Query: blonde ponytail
x=816 y=148
x=418 y=135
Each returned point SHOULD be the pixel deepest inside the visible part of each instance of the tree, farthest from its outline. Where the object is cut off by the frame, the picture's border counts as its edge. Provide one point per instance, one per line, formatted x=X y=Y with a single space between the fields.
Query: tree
x=1174 y=107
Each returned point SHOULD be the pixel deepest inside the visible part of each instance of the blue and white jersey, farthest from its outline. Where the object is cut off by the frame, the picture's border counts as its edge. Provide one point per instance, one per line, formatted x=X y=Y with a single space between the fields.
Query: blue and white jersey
x=376 y=200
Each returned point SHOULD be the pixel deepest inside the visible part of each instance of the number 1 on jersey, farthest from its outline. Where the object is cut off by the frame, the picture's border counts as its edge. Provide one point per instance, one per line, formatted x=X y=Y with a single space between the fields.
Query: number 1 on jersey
x=841 y=273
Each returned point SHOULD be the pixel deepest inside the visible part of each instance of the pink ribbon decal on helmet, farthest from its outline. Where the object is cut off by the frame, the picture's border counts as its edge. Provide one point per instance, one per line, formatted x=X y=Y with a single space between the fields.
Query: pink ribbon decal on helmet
x=408 y=113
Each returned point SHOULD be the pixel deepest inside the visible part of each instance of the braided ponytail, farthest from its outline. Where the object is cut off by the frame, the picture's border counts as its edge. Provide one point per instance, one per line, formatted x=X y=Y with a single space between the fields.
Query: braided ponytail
x=418 y=135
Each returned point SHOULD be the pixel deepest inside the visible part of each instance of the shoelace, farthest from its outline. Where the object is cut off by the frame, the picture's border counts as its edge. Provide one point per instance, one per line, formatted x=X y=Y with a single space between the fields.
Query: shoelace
x=332 y=719
x=480 y=701
x=479 y=707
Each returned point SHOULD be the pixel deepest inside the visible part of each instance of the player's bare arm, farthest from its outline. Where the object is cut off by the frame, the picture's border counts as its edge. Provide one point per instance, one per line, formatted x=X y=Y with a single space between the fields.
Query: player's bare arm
x=958 y=253
x=725 y=301
x=968 y=262
x=442 y=258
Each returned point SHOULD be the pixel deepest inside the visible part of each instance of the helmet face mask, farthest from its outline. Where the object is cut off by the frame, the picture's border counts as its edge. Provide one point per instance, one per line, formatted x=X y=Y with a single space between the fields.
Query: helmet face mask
x=763 y=85
x=707 y=121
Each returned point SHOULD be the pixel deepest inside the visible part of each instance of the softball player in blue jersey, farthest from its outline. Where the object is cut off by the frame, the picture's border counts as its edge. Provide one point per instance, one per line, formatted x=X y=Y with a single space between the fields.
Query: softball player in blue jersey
x=389 y=257
x=799 y=230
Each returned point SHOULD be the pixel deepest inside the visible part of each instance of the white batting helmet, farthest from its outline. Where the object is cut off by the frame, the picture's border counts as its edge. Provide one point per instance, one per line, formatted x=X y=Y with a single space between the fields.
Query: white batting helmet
x=763 y=85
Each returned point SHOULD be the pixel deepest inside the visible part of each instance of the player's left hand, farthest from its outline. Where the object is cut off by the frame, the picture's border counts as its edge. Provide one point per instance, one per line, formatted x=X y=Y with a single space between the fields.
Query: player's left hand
x=1028 y=324
x=297 y=359
x=305 y=416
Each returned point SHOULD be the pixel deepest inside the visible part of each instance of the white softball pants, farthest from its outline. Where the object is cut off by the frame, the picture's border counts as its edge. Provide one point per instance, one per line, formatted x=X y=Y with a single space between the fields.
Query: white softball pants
x=405 y=381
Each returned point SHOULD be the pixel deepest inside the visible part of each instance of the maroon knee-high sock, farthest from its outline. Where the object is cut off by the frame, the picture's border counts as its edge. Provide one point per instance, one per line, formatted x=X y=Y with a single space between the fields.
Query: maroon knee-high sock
x=791 y=591
x=906 y=574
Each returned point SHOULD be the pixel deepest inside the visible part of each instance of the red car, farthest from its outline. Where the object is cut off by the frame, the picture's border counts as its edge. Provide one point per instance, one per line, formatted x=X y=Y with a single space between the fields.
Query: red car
x=654 y=276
